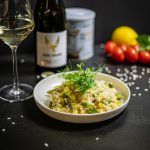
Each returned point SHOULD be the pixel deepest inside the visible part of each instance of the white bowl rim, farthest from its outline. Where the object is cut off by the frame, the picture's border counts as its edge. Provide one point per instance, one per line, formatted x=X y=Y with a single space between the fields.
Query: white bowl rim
x=83 y=115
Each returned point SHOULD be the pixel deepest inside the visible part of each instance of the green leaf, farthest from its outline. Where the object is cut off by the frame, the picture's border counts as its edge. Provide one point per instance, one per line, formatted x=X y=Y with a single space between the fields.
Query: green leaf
x=144 y=42
x=50 y=91
x=92 y=111
x=119 y=96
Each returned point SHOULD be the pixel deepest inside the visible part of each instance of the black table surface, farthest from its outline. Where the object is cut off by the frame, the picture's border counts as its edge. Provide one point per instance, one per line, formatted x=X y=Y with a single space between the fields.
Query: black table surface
x=24 y=127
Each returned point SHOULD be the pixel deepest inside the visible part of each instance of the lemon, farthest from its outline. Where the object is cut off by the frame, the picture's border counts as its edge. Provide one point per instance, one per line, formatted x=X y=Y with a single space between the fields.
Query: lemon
x=124 y=34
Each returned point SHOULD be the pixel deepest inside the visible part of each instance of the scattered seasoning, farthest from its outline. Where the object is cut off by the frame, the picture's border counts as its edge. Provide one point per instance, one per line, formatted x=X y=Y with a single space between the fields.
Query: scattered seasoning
x=46 y=144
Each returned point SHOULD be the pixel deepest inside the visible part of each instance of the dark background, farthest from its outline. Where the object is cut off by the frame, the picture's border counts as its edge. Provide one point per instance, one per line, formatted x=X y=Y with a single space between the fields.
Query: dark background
x=109 y=15
x=128 y=131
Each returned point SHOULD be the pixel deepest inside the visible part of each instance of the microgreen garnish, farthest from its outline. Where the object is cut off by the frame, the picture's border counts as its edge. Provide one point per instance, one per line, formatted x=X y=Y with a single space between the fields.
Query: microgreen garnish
x=81 y=79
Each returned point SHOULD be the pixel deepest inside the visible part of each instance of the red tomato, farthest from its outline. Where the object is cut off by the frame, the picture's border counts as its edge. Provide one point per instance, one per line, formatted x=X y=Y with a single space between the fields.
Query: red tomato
x=123 y=47
x=109 y=46
x=136 y=47
x=131 y=55
x=118 y=55
x=144 y=57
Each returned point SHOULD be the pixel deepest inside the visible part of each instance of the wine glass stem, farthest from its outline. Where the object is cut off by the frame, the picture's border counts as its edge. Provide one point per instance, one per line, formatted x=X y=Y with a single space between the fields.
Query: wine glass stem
x=15 y=71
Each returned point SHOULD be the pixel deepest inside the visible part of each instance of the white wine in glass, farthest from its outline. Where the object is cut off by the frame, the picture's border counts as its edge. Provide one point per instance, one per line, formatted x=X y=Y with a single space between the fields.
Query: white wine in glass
x=16 y=23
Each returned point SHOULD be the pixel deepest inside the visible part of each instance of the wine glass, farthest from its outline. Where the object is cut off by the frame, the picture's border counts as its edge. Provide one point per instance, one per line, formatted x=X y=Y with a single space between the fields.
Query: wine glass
x=16 y=22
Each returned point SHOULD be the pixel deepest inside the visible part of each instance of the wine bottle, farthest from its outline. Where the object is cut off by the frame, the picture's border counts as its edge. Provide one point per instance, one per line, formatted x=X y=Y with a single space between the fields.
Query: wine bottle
x=51 y=35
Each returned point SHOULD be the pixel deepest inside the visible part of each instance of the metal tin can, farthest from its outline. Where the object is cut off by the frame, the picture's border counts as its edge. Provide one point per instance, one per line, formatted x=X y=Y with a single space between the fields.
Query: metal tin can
x=80 y=28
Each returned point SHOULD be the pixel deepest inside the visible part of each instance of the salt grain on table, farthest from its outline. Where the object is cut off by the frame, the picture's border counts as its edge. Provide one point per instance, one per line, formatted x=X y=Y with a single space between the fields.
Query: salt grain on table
x=130 y=78
x=46 y=144
x=140 y=76
x=21 y=116
x=134 y=71
x=118 y=74
x=3 y=130
x=13 y=123
x=8 y=118
x=97 y=138
x=133 y=94
x=139 y=94
x=125 y=74
x=118 y=70
x=132 y=83
x=135 y=77
x=137 y=88
x=121 y=78
x=145 y=90
x=148 y=70
x=38 y=76
x=125 y=80
x=143 y=73
x=129 y=84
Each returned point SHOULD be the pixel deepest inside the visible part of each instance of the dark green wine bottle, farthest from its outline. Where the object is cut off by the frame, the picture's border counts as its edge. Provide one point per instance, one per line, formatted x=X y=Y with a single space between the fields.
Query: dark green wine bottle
x=51 y=35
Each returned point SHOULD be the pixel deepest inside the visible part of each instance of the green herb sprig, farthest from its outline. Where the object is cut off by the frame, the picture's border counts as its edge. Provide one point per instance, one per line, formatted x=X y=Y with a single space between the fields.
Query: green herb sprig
x=81 y=79
x=144 y=42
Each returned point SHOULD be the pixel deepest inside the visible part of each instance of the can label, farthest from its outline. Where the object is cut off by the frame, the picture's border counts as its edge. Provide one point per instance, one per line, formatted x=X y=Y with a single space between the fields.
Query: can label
x=80 y=38
x=51 y=49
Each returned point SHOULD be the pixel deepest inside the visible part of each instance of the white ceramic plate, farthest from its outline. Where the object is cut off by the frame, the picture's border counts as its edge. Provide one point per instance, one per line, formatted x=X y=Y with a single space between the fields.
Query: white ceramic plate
x=41 y=99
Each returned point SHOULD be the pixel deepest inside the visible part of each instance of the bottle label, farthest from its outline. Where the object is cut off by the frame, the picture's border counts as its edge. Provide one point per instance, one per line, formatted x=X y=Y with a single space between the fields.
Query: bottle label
x=52 y=49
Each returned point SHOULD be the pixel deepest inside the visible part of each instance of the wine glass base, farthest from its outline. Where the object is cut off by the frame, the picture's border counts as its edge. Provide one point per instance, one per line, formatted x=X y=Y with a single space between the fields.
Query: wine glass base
x=24 y=92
